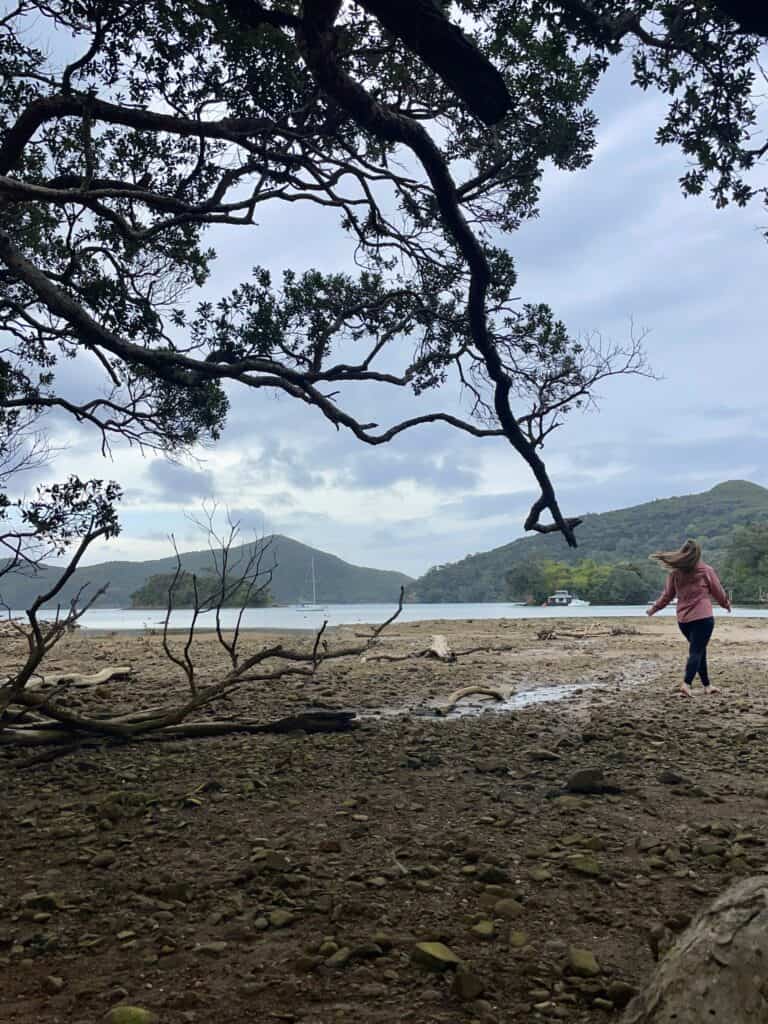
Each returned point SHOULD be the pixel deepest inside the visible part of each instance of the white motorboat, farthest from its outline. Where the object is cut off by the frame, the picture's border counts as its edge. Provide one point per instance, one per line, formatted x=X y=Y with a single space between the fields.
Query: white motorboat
x=565 y=599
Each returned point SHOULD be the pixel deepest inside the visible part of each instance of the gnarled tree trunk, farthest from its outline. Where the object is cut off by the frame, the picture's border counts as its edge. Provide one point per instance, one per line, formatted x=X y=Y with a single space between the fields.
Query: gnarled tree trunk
x=718 y=969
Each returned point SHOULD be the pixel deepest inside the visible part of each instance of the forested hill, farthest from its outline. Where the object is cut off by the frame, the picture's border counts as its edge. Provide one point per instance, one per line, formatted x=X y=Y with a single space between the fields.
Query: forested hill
x=627 y=534
x=337 y=581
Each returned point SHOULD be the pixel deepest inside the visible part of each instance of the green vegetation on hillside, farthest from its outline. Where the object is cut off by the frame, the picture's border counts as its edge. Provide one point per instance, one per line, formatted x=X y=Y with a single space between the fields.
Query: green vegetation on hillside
x=746 y=563
x=623 y=537
x=154 y=593
x=623 y=583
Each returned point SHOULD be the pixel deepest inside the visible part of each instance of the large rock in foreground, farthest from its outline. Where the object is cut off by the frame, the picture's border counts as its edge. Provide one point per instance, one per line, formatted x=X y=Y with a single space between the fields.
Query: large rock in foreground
x=718 y=969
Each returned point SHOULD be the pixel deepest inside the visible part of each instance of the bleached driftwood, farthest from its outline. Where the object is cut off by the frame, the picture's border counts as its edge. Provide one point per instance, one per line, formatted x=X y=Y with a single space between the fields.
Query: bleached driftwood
x=469 y=691
x=716 y=971
x=118 y=672
x=440 y=649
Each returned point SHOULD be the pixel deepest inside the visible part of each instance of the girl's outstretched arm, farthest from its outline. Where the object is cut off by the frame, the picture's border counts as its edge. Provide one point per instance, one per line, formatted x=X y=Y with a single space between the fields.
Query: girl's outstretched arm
x=716 y=589
x=666 y=596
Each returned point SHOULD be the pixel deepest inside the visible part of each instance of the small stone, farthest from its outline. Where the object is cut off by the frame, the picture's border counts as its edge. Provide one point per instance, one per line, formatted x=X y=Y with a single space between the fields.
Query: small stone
x=130 y=1015
x=540 y=874
x=707 y=847
x=507 y=908
x=466 y=985
x=484 y=930
x=539 y=754
x=53 y=984
x=340 y=958
x=603 y=1004
x=45 y=901
x=582 y=962
x=306 y=964
x=585 y=865
x=434 y=956
x=280 y=918
x=366 y=951
x=383 y=940
x=620 y=993
x=275 y=862
x=646 y=843
x=213 y=949
x=518 y=939
x=493 y=875
x=586 y=780
x=103 y=860
x=260 y=923
x=669 y=777
x=327 y=948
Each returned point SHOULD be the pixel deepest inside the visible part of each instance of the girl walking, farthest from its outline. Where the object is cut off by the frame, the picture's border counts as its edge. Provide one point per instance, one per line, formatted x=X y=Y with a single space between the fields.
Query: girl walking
x=695 y=584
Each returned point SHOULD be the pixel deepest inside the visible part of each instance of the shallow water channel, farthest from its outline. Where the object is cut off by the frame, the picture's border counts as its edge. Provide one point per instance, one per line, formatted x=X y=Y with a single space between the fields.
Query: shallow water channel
x=478 y=704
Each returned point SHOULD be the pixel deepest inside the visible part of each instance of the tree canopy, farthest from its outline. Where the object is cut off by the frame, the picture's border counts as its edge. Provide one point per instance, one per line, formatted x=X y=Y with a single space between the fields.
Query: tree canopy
x=746 y=562
x=424 y=127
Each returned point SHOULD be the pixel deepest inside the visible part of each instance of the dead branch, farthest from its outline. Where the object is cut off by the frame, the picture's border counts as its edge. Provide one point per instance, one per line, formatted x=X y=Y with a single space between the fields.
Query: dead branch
x=41 y=719
x=470 y=691
x=307 y=722
x=427 y=652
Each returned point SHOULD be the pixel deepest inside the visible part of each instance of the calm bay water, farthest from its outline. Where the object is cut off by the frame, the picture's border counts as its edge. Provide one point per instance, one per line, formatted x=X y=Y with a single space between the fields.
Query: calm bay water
x=118 y=619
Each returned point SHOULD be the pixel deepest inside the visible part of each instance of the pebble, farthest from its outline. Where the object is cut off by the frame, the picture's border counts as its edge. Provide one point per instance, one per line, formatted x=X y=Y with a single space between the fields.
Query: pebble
x=467 y=985
x=507 y=908
x=582 y=962
x=540 y=874
x=340 y=958
x=540 y=754
x=585 y=865
x=620 y=993
x=131 y=1015
x=280 y=918
x=213 y=949
x=435 y=956
x=484 y=930
x=103 y=860
x=587 y=780
x=493 y=875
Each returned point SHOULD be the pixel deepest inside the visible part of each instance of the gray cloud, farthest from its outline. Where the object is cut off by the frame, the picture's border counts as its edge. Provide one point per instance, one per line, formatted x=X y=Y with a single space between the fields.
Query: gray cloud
x=180 y=485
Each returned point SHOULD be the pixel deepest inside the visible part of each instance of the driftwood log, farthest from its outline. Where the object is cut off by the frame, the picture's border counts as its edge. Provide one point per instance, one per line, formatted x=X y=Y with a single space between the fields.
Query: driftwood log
x=718 y=969
x=119 y=672
x=470 y=691
x=440 y=649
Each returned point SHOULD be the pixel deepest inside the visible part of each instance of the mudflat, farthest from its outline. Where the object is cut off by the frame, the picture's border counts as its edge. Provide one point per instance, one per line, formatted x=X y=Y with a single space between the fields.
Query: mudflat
x=553 y=847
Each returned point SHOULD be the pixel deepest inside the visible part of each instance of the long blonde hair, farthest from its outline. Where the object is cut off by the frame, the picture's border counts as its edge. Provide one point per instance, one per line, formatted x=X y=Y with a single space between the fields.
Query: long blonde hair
x=684 y=560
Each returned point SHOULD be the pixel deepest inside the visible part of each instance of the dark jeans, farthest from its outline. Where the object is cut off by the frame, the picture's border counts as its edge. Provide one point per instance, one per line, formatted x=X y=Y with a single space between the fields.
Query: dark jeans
x=697 y=633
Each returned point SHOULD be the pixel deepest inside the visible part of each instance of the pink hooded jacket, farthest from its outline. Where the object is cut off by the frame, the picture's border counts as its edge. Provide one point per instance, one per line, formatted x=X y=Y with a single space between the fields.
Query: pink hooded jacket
x=694 y=592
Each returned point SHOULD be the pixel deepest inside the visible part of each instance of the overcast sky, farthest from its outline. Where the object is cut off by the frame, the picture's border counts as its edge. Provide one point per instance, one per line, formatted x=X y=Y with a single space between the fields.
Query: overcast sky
x=615 y=244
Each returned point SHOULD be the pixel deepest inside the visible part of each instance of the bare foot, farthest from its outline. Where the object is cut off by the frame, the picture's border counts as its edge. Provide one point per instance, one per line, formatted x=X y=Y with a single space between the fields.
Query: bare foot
x=711 y=689
x=685 y=690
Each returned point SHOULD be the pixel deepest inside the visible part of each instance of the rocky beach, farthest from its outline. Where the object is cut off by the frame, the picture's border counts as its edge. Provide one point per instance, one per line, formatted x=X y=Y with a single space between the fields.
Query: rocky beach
x=523 y=860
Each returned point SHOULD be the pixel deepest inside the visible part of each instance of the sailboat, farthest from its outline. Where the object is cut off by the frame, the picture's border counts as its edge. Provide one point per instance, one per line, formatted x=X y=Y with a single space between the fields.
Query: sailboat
x=306 y=606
